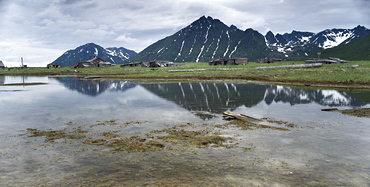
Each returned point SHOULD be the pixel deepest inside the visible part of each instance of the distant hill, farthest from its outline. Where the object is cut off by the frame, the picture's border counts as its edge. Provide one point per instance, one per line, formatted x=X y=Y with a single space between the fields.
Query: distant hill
x=356 y=50
x=113 y=55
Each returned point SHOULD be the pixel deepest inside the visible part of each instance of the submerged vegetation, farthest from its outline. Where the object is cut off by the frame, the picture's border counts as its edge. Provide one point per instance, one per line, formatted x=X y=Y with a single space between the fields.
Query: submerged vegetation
x=333 y=74
x=182 y=135
x=359 y=112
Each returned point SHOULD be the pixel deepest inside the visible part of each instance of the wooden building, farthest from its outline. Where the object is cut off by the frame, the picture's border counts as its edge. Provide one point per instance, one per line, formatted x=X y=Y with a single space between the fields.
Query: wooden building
x=229 y=61
x=268 y=60
x=94 y=62
x=53 y=66
x=2 y=67
x=150 y=64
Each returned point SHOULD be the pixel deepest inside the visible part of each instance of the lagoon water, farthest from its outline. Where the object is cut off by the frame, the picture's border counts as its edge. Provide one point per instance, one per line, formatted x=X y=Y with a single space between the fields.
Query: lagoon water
x=296 y=144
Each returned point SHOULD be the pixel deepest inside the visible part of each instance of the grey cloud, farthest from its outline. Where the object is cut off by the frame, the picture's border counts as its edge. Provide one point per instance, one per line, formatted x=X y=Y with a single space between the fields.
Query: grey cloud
x=60 y=25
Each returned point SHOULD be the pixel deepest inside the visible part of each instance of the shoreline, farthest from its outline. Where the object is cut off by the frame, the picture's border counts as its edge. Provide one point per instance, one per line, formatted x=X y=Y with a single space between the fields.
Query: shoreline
x=319 y=84
x=355 y=75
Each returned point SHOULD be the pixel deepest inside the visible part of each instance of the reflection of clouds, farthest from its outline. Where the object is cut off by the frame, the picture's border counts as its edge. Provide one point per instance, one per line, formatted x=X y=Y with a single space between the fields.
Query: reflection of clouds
x=34 y=94
x=54 y=105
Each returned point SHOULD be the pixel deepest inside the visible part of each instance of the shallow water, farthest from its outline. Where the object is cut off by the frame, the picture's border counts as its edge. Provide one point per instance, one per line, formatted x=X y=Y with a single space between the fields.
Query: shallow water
x=319 y=149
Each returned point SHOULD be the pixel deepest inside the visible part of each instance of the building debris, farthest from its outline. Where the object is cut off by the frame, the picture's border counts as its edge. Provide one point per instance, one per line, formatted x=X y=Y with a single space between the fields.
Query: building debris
x=329 y=60
x=293 y=66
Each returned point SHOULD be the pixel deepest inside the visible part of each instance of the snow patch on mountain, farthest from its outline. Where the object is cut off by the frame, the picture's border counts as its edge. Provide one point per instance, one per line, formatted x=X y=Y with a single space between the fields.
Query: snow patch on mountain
x=289 y=42
x=335 y=39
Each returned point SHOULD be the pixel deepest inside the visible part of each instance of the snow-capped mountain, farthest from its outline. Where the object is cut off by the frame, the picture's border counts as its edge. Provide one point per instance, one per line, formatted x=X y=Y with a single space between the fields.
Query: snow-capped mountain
x=204 y=40
x=333 y=37
x=298 y=44
x=121 y=52
x=207 y=39
x=84 y=52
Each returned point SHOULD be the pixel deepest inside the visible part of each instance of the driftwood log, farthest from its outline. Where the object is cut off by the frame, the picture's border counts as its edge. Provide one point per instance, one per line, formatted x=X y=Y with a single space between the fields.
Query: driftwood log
x=293 y=66
x=242 y=117
x=252 y=122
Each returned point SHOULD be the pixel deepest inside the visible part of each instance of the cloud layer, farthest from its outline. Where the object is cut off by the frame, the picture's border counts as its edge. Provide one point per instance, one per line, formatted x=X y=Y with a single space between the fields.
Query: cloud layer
x=40 y=31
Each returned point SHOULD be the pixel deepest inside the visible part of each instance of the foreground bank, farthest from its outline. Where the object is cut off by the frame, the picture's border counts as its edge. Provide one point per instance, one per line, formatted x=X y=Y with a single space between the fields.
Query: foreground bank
x=352 y=74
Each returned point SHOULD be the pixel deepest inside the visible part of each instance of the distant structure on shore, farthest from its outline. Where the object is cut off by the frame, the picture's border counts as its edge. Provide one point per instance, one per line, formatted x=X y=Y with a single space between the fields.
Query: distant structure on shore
x=268 y=60
x=94 y=62
x=150 y=64
x=2 y=67
x=229 y=61
x=329 y=60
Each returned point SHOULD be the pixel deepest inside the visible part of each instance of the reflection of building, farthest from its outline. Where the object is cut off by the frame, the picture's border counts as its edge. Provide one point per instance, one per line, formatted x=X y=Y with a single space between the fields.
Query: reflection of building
x=94 y=87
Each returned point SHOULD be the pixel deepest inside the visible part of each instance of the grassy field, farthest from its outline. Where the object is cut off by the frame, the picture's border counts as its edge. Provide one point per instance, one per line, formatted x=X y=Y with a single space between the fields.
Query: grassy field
x=334 y=74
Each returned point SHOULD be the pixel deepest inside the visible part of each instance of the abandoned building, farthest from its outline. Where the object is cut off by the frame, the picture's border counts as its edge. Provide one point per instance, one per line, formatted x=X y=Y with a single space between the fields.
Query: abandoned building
x=229 y=61
x=53 y=66
x=268 y=60
x=2 y=67
x=94 y=62
x=329 y=60
x=150 y=64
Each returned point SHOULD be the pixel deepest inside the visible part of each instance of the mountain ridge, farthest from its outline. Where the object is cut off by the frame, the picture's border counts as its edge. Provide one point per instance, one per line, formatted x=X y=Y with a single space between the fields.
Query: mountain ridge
x=207 y=39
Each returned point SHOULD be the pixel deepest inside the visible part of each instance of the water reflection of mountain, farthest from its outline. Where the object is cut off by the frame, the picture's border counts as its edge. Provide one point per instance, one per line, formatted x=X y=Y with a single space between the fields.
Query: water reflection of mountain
x=303 y=96
x=94 y=87
x=210 y=97
x=217 y=98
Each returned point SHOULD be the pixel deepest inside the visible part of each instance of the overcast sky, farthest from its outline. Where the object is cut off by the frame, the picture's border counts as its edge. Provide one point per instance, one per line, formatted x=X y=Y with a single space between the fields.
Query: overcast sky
x=42 y=30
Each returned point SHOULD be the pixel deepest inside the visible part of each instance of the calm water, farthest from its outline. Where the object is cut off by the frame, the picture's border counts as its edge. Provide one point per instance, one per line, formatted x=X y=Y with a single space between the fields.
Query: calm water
x=318 y=148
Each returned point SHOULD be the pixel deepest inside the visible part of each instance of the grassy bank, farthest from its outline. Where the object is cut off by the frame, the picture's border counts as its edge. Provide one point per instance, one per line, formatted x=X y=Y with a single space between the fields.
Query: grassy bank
x=334 y=74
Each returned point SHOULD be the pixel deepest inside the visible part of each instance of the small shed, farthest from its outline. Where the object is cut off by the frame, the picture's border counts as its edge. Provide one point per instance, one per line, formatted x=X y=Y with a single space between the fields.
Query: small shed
x=268 y=60
x=2 y=67
x=229 y=61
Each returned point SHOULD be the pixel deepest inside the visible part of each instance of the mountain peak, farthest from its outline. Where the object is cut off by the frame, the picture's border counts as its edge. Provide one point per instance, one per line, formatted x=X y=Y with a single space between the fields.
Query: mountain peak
x=84 y=52
x=234 y=28
x=204 y=40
